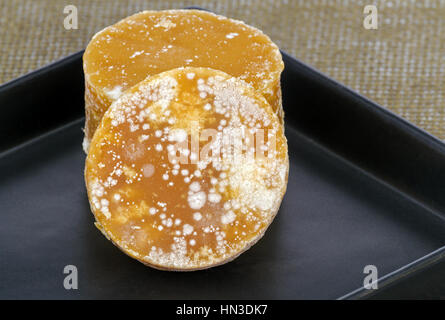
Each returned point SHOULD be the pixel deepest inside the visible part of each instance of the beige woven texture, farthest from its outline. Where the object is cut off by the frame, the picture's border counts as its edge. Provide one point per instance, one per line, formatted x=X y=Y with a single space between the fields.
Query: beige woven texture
x=401 y=65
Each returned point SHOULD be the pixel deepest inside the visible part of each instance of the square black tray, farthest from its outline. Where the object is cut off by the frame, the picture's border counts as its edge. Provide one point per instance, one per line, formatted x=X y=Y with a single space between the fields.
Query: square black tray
x=365 y=188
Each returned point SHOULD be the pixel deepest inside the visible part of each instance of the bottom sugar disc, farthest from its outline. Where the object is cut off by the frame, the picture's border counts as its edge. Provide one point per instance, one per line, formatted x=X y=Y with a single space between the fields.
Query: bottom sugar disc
x=187 y=169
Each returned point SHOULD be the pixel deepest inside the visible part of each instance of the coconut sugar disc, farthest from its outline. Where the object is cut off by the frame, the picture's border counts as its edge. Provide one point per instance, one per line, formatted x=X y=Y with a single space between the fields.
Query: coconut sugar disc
x=187 y=169
x=151 y=42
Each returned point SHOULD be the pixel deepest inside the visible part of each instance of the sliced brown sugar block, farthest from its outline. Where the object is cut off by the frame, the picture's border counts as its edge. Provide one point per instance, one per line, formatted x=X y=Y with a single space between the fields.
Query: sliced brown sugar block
x=151 y=42
x=187 y=169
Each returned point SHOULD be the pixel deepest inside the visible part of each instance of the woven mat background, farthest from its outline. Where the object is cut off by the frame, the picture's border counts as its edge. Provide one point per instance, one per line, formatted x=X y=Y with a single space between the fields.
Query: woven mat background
x=401 y=65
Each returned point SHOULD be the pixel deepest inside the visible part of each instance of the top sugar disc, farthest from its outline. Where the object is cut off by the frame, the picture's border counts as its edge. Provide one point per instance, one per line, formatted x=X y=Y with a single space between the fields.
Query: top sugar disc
x=151 y=42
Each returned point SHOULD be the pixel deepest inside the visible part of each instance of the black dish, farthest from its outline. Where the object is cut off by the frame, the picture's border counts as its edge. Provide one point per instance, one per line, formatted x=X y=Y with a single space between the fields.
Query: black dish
x=365 y=188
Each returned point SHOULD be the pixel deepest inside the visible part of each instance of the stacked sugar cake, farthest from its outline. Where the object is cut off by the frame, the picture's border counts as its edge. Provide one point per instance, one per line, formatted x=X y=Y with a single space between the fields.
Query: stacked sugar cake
x=187 y=160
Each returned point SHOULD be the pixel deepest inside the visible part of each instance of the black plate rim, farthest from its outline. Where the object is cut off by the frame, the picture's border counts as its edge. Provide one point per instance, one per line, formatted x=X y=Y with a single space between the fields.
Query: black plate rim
x=35 y=73
x=418 y=132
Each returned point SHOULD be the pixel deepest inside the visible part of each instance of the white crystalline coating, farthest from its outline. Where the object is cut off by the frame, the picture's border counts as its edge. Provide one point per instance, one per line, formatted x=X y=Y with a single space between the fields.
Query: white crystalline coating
x=214 y=197
x=197 y=216
x=248 y=178
x=106 y=212
x=136 y=53
x=85 y=144
x=176 y=257
x=193 y=157
x=231 y=35
x=159 y=91
x=148 y=170
x=195 y=187
x=229 y=217
x=165 y=23
x=187 y=229
x=168 y=222
x=197 y=200
x=178 y=135
x=114 y=93
x=190 y=75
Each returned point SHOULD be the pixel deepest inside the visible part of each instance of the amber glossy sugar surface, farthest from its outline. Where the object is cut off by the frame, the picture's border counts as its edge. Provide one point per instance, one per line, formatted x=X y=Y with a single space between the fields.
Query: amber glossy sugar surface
x=151 y=42
x=166 y=180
